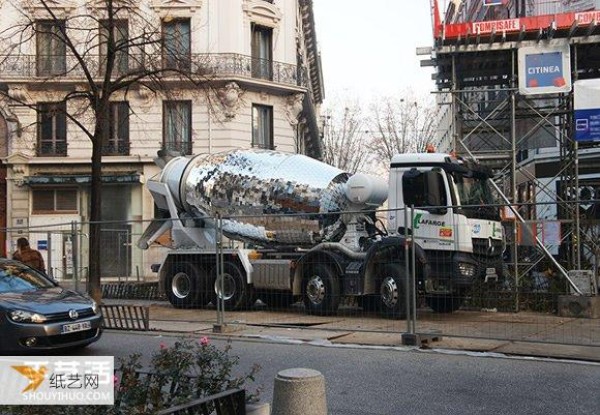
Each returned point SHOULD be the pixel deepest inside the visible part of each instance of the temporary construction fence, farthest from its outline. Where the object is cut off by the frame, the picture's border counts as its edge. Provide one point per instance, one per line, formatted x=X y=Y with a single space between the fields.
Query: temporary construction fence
x=534 y=297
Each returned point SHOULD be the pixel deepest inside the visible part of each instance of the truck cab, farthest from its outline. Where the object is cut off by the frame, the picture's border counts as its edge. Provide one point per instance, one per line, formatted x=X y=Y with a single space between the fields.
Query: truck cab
x=447 y=206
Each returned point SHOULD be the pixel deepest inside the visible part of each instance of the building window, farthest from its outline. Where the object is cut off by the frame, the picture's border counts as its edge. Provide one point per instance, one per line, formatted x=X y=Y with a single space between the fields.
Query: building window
x=177 y=44
x=51 y=50
x=54 y=200
x=52 y=129
x=262 y=126
x=177 y=126
x=262 y=52
x=120 y=29
x=117 y=141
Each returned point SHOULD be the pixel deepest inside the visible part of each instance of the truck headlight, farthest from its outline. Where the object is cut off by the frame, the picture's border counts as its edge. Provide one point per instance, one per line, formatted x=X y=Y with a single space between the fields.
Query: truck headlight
x=466 y=269
x=22 y=316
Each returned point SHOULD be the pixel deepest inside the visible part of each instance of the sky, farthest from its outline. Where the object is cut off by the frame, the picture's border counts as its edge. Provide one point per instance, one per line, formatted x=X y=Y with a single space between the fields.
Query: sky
x=368 y=47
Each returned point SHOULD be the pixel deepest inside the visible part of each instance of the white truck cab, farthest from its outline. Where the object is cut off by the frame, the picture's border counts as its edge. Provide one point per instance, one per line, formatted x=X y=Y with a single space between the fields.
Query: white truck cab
x=454 y=219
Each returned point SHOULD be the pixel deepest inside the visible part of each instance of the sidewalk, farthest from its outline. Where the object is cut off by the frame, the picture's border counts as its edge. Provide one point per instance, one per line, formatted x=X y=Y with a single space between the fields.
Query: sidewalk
x=462 y=331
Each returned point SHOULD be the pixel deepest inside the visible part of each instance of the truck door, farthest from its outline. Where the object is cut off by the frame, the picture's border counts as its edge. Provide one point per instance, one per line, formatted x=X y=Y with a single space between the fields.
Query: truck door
x=427 y=189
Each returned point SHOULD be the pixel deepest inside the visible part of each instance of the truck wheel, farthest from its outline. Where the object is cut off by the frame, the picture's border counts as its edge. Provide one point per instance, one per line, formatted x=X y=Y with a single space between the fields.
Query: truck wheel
x=236 y=292
x=184 y=287
x=321 y=290
x=392 y=291
x=444 y=303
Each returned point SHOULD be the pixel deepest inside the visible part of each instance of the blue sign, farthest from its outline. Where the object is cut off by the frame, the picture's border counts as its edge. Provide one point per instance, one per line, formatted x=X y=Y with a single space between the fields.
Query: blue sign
x=587 y=125
x=545 y=70
x=42 y=245
x=492 y=2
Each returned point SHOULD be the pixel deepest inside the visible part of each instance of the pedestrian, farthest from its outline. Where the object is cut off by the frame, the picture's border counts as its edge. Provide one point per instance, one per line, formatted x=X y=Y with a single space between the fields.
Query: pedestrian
x=29 y=256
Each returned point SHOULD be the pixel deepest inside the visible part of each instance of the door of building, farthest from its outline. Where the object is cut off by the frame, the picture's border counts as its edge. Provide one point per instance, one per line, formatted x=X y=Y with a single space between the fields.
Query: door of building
x=116 y=232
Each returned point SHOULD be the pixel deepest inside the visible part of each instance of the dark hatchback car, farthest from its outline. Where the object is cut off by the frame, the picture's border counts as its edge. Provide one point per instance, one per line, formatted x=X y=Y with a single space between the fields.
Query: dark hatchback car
x=37 y=314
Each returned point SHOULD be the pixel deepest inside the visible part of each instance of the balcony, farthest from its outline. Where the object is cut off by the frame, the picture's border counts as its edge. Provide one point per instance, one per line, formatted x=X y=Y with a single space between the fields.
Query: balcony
x=208 y=65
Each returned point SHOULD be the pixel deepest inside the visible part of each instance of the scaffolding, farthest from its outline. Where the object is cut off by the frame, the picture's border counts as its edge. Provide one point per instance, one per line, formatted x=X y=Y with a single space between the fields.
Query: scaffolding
x=477 y=65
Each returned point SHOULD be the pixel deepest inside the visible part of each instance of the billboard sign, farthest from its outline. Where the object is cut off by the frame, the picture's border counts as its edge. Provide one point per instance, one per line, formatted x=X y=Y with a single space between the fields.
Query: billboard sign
x=587 y=110
x=544 y=70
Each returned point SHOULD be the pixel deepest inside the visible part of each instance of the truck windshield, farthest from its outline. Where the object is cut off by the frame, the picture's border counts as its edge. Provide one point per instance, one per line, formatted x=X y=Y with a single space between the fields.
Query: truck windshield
x=476 y=197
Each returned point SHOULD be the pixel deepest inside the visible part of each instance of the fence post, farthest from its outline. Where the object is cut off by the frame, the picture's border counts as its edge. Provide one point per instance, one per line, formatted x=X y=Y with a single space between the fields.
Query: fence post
x=410 y=338
x=413 y=274
x=219 y=258
x=407 y=270
x=49 y=248
x=75 y=254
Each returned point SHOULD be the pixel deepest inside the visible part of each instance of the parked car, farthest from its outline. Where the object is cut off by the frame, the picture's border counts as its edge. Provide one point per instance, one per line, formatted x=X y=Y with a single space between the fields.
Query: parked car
x=37 y=314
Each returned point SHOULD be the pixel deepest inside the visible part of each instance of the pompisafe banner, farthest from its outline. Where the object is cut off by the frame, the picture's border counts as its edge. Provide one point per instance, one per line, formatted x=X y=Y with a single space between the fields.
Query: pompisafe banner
x=544 y=70
x=587 y=110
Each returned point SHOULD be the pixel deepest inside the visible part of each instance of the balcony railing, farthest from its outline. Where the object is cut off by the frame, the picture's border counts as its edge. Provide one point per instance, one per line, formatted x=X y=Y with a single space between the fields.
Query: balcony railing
x=206 y=65
x=52 y=148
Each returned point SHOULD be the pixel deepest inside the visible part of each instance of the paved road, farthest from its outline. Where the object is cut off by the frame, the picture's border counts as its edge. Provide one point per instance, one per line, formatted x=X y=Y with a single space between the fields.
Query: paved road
x=382 y=381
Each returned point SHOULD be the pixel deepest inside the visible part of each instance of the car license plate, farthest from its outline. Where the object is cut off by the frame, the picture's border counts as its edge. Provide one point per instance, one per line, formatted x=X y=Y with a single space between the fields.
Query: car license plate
x=72 y=328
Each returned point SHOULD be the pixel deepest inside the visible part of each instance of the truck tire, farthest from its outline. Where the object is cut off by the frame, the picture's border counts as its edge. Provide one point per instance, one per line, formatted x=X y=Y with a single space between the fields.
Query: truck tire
x=444 y=303
x=392 y=291
x=320 y=290
x=237 y=293
x=184 y=287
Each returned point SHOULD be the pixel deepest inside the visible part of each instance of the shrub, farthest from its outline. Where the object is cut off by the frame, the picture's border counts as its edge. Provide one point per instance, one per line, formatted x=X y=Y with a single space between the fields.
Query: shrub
x=187 y=370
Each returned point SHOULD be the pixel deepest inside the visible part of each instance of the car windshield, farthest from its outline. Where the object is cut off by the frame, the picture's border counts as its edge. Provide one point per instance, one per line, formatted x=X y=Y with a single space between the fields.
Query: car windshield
x=15 y=278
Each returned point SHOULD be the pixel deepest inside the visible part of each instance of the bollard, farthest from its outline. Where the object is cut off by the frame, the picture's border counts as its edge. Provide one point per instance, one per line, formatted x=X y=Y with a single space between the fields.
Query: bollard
x=299 y=392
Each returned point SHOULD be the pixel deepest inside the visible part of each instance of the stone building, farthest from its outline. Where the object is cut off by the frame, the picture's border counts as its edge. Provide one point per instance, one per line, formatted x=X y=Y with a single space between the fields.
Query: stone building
x=263 y=88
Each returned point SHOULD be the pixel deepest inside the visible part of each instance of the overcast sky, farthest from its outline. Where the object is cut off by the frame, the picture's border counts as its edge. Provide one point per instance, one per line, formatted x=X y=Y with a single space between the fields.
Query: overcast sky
x=368 y=47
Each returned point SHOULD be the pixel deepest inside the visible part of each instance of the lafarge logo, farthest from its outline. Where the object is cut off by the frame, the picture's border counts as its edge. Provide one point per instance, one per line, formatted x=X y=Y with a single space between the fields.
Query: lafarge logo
x=418 y=221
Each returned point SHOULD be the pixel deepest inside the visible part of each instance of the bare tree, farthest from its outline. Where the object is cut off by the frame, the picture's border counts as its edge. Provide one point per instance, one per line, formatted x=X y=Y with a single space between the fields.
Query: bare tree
x=109 y=47
x=400 y=125
x=345 y=138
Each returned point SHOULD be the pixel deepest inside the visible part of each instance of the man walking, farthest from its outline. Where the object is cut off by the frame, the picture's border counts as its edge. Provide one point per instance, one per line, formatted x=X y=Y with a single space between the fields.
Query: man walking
x=29 y=256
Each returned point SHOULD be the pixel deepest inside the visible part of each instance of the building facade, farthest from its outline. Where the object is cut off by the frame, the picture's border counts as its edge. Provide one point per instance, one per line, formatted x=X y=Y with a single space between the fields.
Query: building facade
x=491 y=107
x=260 y=86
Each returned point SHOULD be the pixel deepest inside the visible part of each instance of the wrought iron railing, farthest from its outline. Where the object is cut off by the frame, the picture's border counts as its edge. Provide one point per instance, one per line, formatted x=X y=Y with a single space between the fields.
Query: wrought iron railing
x=208 y=65
x=52 y=148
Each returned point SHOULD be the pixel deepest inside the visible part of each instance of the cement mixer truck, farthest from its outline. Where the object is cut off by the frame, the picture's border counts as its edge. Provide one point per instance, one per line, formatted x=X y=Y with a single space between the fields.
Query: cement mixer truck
x=299 y=229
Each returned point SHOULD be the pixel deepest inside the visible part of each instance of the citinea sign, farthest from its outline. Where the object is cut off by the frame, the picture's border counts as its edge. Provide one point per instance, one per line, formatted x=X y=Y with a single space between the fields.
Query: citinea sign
x=544 y=70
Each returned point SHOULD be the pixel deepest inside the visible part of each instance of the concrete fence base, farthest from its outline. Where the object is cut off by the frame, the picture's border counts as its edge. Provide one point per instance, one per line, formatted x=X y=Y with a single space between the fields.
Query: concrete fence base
x=299 y=392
